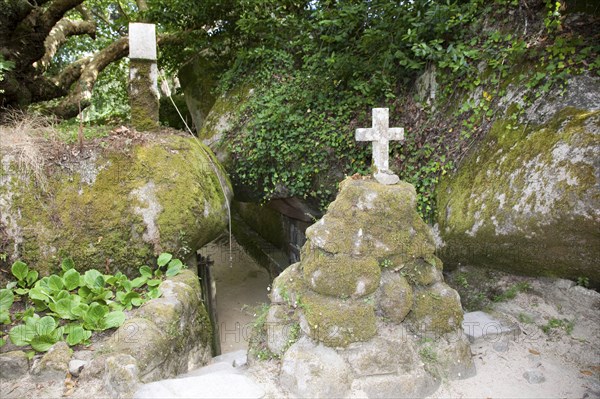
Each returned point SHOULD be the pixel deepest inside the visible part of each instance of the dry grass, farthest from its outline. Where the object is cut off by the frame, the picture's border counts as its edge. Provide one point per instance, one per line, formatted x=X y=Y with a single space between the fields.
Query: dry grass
x=22 y=137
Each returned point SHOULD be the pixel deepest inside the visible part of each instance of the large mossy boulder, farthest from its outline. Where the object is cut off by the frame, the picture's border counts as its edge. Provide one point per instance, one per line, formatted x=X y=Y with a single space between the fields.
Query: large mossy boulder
x=115 y=206
x=527 y=200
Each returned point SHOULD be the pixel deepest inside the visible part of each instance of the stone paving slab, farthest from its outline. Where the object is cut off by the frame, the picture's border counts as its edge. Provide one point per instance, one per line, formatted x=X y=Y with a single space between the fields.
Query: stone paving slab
x=219 y=367
x=236 y=358
x=481 y=326
x=214 y=385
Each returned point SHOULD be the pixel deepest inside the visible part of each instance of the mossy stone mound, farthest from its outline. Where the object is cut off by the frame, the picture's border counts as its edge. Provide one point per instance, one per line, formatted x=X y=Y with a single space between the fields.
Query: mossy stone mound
x=369 y=219
x=115 y=208
x=369 y=289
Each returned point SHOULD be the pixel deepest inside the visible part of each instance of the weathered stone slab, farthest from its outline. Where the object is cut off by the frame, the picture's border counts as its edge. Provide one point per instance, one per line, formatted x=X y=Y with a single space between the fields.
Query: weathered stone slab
x=13 y=364
x=214 y=368
x=54 y=364
x=236 y=358
x=480 y=326
x=314 y=371
x=216 y=385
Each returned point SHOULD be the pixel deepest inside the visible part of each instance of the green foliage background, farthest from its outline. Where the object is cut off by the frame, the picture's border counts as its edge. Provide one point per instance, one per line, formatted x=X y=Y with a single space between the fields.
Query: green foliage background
x=317 y=68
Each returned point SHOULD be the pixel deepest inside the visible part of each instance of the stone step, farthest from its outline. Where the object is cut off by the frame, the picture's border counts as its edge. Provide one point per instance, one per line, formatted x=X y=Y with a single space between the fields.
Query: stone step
x=213 y=368
x=212 y=385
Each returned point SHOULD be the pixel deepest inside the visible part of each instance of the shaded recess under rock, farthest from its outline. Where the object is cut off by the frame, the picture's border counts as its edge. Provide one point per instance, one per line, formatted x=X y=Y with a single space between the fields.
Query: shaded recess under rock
x=366 y=308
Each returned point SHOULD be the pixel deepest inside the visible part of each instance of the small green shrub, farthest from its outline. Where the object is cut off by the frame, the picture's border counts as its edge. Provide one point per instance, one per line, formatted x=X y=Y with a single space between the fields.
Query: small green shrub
x=512 y=292
x=554 y=324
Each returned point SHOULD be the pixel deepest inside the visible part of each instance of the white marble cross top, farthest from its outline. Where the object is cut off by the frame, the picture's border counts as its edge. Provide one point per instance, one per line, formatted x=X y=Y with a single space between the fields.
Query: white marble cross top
x=381 y=134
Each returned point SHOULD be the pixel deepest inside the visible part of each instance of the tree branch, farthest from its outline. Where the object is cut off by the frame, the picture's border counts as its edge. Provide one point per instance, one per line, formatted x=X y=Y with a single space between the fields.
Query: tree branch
x=80 y=95
x=61 y=32
x=71 y=73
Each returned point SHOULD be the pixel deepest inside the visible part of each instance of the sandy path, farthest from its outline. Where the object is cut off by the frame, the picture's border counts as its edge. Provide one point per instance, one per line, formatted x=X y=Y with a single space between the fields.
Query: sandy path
x=241 y=290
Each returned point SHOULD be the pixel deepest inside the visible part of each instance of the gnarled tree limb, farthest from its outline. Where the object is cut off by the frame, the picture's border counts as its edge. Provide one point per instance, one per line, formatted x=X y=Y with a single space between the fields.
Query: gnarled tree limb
x=61 y=32
x=80 y=95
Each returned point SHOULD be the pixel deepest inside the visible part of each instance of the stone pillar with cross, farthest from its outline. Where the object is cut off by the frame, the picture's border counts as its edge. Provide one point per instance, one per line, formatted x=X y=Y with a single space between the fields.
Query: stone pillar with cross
x=143 y=76
x=381 y=134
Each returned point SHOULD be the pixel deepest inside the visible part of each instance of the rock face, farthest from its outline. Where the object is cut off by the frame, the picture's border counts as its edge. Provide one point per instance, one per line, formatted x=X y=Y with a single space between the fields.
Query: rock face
x=367 y=302
x=528 y=199
x=165 y=337
x=157 y=193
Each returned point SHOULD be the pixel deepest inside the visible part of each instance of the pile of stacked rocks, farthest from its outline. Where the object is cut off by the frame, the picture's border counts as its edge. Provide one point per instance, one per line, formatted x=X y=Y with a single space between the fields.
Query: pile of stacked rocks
x=367 y=308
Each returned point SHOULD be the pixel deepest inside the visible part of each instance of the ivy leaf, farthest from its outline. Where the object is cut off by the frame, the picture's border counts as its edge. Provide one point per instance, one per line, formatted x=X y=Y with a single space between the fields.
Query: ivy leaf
x=145 y=271
x=45 y=325
x=6 y=299
x=77 y=335
x=2 y=342
x=19 y=270
x=153 y=282
x=154 y=293
x=93 y=279
x=164 y=258
x=67 y=264
x=55 y=283
x=31 y=278
x=138 y=282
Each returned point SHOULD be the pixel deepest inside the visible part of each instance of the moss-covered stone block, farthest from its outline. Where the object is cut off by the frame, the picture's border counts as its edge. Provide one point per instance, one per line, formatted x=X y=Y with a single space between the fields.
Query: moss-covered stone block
x=341 y=275
x=422 y=273
x=338 y=323
x=395 y=297
x=436 y=310
x=289 y=286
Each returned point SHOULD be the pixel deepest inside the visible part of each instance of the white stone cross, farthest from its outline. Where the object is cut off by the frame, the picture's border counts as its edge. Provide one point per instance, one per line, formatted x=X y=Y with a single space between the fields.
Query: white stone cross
x=381 y=134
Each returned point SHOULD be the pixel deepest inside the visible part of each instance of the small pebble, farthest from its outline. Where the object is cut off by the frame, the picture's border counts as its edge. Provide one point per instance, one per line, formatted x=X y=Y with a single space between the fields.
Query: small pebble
x=534 y=376
x=75 y=367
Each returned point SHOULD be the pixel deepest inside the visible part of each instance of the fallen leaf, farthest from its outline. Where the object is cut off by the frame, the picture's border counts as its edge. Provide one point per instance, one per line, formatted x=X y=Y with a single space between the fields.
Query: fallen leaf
x=534 y=352
x=586 y=372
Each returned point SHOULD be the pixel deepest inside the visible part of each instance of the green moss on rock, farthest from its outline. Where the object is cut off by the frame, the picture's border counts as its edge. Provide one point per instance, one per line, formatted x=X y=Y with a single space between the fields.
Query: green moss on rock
x=118 y=210
x=143 y=95
x=370 y=219
x=338 y=323
x=341 y=275
x=527 y=200
x=395 y=297
x=436 y=310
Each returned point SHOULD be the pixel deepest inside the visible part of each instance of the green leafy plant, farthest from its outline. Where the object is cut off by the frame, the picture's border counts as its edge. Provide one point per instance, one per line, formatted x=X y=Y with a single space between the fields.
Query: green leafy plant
x=74 y=305
x=512 y=292
x=6 y=300
x=25 y=277
x=583 y=282
x=562 y=324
